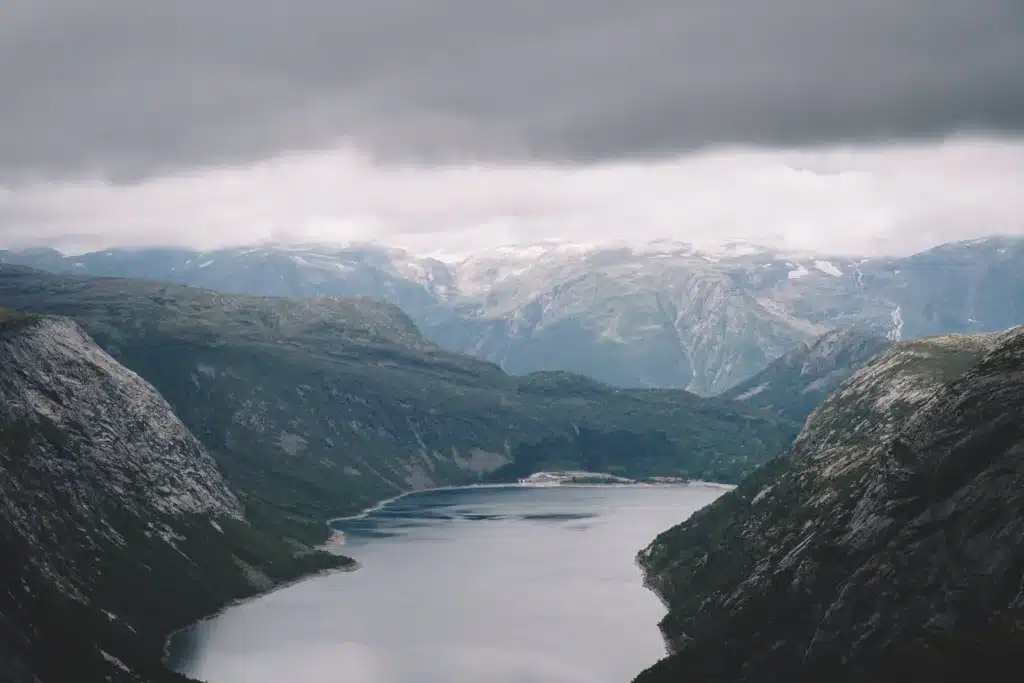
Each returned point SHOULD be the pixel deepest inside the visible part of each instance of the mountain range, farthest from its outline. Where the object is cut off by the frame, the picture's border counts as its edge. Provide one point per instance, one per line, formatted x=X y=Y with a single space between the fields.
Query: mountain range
x=887 y=544
x=196 y=439
x=159 y=435
x=323 y=406
x=797 y=382
x=167 y=449
x=663 y=314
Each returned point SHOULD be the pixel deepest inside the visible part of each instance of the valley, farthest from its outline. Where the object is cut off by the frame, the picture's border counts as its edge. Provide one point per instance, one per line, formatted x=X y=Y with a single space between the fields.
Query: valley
x=195 y=440
x=663 y=314
x=887 y=543
x=500 y=583
x=456 y=341
x=202 y=438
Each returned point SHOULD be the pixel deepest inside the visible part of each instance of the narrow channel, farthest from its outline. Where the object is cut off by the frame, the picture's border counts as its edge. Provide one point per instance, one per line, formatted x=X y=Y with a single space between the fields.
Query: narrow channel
x=515 y=584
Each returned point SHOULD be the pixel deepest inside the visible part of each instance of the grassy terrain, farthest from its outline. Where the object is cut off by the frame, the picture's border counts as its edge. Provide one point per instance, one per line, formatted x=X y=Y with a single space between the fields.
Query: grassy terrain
x=311 y=409
x=12 y=321
x=317 y=408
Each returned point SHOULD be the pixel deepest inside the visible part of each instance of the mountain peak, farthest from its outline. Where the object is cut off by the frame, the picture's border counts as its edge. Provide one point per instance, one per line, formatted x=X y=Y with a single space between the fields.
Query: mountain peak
x=634 y=313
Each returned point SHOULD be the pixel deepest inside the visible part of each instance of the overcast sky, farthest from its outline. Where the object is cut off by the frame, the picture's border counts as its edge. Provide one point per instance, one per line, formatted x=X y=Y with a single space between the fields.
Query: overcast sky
x=851 y=125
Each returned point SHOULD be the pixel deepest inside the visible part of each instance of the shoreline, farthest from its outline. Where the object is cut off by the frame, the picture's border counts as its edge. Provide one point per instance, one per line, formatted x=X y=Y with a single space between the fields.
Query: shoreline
x=366 y=512
x=387 y=501
x=324 y=547
x=355 y=564
x=363 y=514
x=237 y=602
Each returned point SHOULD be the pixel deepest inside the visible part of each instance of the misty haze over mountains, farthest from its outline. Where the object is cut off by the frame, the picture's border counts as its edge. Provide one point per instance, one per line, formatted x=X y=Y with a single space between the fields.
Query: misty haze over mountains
x=257 y=322
x=663 y=314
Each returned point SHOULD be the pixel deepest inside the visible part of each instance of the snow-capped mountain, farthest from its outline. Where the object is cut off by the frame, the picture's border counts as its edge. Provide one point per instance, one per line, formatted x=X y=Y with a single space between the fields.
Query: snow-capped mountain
x=664 y=313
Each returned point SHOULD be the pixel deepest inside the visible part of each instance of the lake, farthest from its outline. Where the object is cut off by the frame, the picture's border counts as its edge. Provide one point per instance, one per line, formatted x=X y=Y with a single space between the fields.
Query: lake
x=511 y=584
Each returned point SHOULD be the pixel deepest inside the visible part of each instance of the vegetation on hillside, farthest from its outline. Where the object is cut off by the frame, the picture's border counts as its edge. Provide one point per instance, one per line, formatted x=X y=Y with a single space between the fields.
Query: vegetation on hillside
x=115 y=525
x=886 y=545
x=318 y=408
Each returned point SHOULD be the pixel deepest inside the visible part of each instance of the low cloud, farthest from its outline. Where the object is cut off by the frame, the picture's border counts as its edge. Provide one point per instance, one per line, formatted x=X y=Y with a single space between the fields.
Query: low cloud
x=864 y=199
x=130 y=89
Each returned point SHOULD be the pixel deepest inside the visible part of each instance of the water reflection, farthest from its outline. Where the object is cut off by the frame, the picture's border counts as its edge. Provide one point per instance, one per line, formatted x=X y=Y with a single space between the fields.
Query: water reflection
x=506 y=585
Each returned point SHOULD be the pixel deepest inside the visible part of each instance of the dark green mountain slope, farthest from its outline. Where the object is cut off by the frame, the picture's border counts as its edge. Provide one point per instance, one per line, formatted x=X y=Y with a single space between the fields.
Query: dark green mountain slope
x=796 y=383
x=115 y=524
x=320 y=407
x=887 y=545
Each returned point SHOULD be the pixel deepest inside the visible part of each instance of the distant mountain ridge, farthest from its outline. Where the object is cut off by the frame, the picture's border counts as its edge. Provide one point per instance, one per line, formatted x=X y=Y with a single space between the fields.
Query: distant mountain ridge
x=166 y=449
x=796 y=383
x=658 y=315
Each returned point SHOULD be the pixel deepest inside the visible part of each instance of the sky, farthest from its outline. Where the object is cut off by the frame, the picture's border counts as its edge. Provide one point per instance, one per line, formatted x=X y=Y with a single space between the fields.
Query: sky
x=854 y=126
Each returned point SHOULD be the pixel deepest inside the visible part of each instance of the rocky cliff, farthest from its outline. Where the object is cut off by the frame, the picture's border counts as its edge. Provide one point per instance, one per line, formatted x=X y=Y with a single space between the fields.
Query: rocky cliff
x=115 y=524
x=320 y=407
x=886 y=545
x=796 y=383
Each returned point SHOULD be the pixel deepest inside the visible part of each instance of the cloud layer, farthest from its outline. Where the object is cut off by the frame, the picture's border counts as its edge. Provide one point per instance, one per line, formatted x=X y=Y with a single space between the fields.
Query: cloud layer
x=884 y=199
x=127 y=89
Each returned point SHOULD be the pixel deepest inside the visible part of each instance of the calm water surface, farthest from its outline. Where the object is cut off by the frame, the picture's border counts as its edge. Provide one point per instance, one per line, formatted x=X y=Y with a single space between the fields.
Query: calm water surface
x=495 y=585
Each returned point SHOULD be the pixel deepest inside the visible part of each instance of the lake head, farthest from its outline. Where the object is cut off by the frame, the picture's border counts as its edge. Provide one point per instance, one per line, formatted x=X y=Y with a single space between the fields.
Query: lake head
x=499 y=584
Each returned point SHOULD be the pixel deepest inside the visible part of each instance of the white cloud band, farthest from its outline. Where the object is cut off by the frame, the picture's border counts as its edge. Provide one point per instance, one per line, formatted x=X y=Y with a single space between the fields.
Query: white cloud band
x=880 y=199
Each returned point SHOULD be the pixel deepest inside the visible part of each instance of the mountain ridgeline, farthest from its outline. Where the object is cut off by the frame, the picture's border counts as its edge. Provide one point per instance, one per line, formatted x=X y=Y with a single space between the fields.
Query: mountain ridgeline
x=661 y=315
x=887 y=544
x=191 y=454
x=321 y=407
x=797 y=382
x=165 y=450
x=115 y=524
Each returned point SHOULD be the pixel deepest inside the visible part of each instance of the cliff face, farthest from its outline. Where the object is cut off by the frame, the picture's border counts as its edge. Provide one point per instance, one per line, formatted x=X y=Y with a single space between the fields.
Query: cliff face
x=796 y=383
x=129 y=445
x=115 y=523
x=324 y=406
x=887 y=544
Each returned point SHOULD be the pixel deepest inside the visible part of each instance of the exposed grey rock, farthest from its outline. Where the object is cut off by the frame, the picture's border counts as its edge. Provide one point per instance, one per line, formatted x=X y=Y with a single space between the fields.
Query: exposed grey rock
x=321 y=407
x=800 y=380
x=115 y=523
x=887 y=544
x=662 y=315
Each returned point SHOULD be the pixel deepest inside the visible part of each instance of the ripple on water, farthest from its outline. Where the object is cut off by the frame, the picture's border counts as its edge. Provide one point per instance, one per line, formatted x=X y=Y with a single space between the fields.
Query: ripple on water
x=545 y=590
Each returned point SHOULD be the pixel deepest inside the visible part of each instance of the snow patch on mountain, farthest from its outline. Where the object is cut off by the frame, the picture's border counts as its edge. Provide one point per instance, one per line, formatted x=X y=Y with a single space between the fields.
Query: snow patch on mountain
x=731 y=249
x=662 y=247
x=752 y=392
x=896 y=333
x=828 y=268
x=799 y=272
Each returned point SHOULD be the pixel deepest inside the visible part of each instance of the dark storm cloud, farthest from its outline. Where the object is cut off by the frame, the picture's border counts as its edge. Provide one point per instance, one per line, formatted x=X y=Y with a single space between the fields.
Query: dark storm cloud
x=124 y=87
